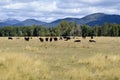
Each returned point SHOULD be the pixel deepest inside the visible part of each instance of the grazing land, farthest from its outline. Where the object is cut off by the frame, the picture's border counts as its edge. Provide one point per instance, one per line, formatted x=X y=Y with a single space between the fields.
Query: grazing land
x=60 y=60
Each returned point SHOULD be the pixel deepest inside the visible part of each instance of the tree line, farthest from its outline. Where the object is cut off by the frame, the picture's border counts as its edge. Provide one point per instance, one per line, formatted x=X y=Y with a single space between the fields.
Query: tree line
x=63 y=29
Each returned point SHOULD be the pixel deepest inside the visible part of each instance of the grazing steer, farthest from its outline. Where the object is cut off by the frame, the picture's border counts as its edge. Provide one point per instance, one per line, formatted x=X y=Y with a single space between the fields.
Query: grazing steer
x=67 y=38
x=41 y=39
x=92 y=40
x=46 y=39
x=26 y=38
x=61 y=38
x=55 y=39
x=77 y=41
x=50 y=39
x=91 y=37
x=10 y=38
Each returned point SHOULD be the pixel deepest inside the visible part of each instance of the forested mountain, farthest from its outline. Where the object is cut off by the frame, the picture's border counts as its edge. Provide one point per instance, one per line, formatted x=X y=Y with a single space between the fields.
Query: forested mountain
x=11 y=21
x=63 y=29
x=91 y=20
x=3 y=24
x=29 y=22
x=57 y=22
x=100 y=19
x=8 y=22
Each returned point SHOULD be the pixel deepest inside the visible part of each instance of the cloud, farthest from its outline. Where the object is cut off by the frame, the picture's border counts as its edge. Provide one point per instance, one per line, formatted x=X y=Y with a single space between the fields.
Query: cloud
x=49 y=10
x=15 y=6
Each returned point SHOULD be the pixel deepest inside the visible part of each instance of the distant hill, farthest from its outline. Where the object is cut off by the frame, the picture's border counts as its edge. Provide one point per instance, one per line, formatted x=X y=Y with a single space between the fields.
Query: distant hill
x=8 y=22
x=29 y=22
x=3 y=24
x=91 y=20
x=11 y=21
x=57 y=22
x=100 y=19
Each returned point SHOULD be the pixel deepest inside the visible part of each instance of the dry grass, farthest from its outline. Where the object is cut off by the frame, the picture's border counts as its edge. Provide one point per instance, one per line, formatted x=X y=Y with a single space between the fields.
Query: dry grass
x=22 y=67
x=33 y=60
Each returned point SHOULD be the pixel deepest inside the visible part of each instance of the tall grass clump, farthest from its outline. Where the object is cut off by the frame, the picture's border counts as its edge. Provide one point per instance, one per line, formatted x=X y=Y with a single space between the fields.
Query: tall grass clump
x=15 y=66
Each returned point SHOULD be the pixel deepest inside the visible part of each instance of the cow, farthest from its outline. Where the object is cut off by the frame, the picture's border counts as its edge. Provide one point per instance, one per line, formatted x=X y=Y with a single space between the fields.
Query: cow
x=92 y=40
x=91 y=37
x=84 y=36
x=50 y=39
x=41 y=39
x=67 y=38
x=77 y=41
x=61 y=38
x=55 y=39
x=46 y=39
x=10 y=38
x=26 y=38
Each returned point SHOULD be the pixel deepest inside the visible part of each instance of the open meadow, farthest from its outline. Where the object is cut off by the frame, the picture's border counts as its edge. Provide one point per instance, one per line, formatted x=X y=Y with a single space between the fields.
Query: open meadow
x=60 y=60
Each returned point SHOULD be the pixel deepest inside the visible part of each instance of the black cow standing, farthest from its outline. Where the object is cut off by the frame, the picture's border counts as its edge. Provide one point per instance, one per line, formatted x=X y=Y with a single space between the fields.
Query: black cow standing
x=55 y=39
x=92 y=40
x=46 y=39
x=10 y=38
x=50 y=39
x=67 y=38
x=77 y=41
x=41 y=39
x=26 y=38
x=91 y=37
x=61 y=38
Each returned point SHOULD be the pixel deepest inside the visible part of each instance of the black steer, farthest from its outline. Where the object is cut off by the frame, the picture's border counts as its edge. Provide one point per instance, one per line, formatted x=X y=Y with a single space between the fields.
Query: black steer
x=10 y=38
x=92 y=40
x=50 y=39
x=46 y=39
x=26 y=38
x=77 y=41
x=55 y=39
x=41 y=39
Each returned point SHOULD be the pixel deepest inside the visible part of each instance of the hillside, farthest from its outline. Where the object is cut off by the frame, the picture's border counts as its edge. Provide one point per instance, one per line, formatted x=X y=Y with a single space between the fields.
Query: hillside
x=29 y=22
x=91 y=20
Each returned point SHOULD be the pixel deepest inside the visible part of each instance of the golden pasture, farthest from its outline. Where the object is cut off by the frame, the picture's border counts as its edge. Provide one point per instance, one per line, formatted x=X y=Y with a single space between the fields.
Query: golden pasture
x=61 y=60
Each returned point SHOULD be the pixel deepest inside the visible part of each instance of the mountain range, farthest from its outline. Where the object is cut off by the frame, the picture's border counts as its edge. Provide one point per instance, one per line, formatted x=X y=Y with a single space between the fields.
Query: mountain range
x=91 y=20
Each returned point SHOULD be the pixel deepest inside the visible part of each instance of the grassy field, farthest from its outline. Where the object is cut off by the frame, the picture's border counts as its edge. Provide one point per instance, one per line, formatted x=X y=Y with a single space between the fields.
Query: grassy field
x=62 y=60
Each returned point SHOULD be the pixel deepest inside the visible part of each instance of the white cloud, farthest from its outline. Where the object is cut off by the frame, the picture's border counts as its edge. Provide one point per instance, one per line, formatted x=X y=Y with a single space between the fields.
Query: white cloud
x=49 y=10
x=43 y=6
x=4 y=1
x=35 y=5
x=15 y=6
x=91 y=1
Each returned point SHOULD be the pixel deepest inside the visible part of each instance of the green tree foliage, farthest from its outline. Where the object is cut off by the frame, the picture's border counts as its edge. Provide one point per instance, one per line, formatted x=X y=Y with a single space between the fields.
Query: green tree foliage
x=105 y=29
x=86 y=30
x=77 y=30
x=63 y=29
x=72 y=28
x=64 y=26
x=96 y=30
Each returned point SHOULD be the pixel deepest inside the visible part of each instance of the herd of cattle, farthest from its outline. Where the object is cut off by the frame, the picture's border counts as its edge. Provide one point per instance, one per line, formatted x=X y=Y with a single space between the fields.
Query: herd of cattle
x=50 y=39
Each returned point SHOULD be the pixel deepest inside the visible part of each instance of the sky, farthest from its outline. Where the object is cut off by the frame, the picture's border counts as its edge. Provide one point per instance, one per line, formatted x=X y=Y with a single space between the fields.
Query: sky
x=50 y=10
